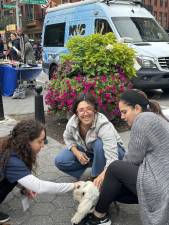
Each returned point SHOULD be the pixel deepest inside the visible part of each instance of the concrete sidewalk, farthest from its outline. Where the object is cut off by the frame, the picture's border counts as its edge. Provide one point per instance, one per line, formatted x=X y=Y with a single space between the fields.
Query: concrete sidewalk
x=49 y=209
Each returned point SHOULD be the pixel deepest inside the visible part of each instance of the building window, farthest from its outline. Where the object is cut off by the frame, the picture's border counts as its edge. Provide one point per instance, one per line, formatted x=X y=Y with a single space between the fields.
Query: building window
x=29 y=12
x=166 y=3
x=102 y=26
x=155 y=14
x=165 y=20
x=64 y=1
x=160 y=17
x=54 y=35
x=155 y=2
x=161 y=3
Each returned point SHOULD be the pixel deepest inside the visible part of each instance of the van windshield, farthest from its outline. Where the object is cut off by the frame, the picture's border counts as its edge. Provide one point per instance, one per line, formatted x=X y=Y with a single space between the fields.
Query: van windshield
x=140 y=29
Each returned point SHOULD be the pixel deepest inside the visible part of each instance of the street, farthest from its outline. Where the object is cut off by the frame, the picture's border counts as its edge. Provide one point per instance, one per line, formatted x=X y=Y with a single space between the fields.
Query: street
x=28 y=102
x=159 y=96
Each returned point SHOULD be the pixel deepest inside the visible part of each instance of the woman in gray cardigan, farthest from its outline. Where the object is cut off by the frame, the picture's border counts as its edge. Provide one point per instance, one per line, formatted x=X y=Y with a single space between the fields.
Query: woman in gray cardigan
x=143 y=175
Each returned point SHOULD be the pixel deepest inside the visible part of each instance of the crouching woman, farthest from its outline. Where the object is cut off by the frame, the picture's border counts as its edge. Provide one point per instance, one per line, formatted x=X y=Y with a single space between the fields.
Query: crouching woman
x=91 y=140
x=18 y=154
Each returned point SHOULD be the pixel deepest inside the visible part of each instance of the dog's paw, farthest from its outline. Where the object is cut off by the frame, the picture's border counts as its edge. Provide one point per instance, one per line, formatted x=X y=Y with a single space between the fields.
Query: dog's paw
x=76 y=219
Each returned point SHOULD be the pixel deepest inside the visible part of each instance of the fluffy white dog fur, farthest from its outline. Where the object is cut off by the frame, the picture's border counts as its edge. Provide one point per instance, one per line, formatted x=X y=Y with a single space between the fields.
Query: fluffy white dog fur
x=87 y=195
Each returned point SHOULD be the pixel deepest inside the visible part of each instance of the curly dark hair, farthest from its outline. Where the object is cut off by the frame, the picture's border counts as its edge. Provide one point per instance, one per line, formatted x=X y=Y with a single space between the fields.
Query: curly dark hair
x=88 y=97
x=18 y=141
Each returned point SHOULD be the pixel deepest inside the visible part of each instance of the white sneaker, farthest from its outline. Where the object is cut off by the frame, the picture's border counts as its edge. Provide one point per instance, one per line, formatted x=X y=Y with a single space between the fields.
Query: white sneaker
x=19 y=94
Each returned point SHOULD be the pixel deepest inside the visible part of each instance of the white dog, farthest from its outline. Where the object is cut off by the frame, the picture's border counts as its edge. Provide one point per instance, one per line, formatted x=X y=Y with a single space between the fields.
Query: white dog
x=87 y=195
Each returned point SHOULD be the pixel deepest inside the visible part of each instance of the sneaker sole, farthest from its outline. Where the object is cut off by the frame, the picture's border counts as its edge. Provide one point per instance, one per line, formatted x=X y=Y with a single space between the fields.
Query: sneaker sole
x=106 y=223
x=4 y=221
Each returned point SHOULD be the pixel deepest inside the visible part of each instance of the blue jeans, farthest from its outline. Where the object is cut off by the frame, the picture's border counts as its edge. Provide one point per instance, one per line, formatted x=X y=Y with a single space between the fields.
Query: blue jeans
x=68 y=163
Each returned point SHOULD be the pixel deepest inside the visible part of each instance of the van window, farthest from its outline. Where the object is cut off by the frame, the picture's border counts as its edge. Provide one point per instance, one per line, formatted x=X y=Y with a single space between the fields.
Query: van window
x=102 y=26
x=140 y=29
x=54 y=35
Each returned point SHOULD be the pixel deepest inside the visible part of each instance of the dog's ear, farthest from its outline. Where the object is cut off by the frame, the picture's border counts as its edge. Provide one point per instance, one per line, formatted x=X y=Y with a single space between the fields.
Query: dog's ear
x=87 y=183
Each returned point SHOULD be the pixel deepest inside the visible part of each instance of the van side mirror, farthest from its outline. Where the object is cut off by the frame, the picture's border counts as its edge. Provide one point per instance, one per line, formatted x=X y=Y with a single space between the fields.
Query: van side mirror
x=126 y=40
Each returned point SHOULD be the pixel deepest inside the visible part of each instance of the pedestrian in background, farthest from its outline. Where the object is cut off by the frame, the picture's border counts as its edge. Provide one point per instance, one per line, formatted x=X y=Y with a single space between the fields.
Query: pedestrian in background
x=142 y=177
x=18 y=153
x=20 y=37
x=91 y=140
x=1 y=48
x=29 y=53
x=14 y=48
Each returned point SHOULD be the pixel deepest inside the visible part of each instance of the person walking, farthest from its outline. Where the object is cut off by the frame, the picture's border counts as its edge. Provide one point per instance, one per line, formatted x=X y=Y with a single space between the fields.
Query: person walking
x=1 y=48
x=142 y=177
x=20 y=37
x=18 y=153
x=91 y=140
x=29 y=53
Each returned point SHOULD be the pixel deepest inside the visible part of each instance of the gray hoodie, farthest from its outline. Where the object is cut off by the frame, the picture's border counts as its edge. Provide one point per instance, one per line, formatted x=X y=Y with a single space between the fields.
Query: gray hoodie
x=101 y=128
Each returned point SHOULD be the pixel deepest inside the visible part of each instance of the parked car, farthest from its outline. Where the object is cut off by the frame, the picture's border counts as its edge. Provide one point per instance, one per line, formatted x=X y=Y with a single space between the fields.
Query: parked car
x=128 y=20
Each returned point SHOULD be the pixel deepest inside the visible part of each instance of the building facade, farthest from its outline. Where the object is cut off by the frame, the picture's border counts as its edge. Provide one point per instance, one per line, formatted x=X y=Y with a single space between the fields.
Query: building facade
x=160 y=10
x=32 y=16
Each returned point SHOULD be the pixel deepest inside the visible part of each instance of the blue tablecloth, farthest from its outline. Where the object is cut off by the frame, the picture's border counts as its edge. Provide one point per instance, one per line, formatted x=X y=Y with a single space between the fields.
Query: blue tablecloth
x=9 y=76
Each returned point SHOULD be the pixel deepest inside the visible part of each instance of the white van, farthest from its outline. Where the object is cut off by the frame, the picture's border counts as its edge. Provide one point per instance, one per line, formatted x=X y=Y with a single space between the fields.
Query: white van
x=128 y=20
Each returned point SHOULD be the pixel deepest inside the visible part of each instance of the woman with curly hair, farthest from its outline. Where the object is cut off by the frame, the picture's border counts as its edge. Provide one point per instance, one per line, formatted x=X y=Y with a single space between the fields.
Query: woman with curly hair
x=18 y=154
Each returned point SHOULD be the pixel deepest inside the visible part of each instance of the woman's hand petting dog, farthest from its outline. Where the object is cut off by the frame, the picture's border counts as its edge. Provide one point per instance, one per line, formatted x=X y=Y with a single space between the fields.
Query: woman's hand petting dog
x=30 y=194
x=78 y=184
x=99 y=179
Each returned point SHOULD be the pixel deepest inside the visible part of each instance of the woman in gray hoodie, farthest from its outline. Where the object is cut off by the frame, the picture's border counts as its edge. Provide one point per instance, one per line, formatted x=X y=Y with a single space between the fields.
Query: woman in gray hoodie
x=91 y=140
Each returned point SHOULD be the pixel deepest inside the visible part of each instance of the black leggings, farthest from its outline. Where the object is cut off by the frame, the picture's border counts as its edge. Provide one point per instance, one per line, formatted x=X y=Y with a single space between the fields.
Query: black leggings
x=119 y=185
x=5 y=188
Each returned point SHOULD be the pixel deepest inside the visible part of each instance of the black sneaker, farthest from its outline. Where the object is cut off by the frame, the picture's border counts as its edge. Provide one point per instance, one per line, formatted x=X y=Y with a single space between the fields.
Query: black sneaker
x=3 y=218
x=93 y=220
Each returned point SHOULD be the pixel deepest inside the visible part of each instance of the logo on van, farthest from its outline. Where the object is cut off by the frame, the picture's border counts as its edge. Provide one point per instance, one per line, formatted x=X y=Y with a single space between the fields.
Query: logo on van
x=77 y=29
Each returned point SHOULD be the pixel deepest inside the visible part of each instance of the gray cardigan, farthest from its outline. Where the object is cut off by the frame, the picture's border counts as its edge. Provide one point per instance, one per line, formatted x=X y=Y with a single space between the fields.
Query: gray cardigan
x=101 y=128
x=149 y=148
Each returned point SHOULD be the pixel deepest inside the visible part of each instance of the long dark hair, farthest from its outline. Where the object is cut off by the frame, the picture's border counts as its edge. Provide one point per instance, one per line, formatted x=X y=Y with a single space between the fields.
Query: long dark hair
x=18 y=141
x=137 y=97
x=89 y=98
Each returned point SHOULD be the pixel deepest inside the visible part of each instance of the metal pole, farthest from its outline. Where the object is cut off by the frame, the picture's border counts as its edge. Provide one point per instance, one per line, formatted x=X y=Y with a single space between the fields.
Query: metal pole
x=1 y=107
x=39 y=108
x=17 y=14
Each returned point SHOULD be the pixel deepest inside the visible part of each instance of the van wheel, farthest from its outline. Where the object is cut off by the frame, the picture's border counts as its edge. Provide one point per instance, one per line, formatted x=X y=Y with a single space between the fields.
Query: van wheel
x=165 y=90
x=52 y=72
